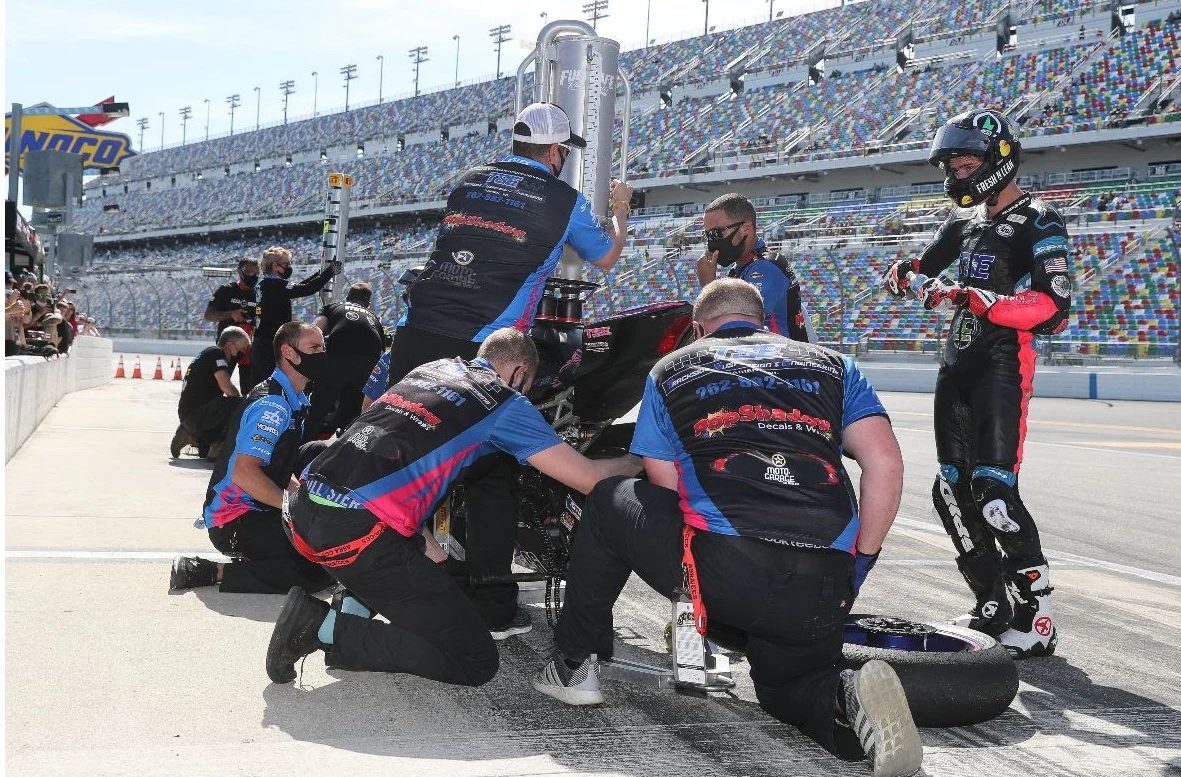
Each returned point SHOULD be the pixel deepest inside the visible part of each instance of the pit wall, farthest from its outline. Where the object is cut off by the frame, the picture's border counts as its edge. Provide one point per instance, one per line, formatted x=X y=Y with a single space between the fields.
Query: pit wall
x=33 y=385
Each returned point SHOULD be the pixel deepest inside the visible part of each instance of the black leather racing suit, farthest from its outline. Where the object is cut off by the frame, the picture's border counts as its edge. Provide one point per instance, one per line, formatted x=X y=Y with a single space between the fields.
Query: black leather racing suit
x=986 y=379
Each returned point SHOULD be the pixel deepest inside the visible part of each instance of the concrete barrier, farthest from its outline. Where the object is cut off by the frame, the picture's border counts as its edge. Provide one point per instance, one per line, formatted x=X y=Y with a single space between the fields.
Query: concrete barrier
x=1161 y=384
x=33 y=385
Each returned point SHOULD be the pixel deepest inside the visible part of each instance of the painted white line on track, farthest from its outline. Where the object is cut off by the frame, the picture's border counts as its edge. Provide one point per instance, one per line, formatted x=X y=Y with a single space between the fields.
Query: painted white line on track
x=1071 y=446
x=1058 y=555
x=108 y=555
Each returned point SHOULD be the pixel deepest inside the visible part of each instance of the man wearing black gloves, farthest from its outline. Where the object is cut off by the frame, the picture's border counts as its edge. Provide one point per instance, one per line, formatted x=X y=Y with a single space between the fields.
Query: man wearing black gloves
x=245 y=494
x=234 y=304
x=986 y=376
x=742 y=434
x=274 y=303
x=355 y=340
x=208 y=398
x=733 y=242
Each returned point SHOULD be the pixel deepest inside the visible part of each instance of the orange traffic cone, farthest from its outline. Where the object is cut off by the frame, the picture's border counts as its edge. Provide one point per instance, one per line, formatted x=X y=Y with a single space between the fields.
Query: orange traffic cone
x=176 y=375
x=136 y=372
x=159 y=373
x=119 y=370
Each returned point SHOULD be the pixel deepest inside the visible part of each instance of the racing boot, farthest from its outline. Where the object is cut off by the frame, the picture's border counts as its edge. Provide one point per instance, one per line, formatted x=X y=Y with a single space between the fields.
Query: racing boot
x=1032 y=632
x=993 y=611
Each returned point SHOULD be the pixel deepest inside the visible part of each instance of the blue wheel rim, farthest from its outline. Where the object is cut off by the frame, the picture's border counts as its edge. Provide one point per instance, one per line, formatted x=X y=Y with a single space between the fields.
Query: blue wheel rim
x=891 y=633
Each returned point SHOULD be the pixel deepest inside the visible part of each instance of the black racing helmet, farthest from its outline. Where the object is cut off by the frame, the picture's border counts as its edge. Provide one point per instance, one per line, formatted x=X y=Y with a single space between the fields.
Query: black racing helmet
x=982 y=133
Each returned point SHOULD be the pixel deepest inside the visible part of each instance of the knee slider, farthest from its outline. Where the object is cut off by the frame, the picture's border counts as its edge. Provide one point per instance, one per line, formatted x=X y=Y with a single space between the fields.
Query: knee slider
x=995 y=492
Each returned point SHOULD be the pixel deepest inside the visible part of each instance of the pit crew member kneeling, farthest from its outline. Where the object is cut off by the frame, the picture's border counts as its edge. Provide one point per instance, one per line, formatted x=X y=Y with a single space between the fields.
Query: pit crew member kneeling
x=207 y=397
x=363 y=503
x=245 y=494
x=742 y=433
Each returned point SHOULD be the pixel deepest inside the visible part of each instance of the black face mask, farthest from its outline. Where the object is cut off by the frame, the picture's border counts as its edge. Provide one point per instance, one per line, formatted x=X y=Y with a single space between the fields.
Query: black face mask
x=250 y=281
x=728 y=252
x=286 y=273
x=313 y=366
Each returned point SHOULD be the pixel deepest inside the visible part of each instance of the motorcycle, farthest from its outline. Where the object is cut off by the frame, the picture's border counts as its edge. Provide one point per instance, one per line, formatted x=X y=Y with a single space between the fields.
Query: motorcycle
x=590 y=374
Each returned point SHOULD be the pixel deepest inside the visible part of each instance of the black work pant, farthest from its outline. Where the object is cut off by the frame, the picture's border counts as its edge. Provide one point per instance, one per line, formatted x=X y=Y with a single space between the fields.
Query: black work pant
x=264 y=561
x=341 y=389
x=789 y=604
x=434 y=631
x=262 y=359
x=207 y=422
x=489 y=487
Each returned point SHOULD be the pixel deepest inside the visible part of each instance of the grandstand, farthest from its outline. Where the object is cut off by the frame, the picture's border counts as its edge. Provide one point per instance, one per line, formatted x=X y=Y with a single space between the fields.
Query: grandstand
x=810 y=115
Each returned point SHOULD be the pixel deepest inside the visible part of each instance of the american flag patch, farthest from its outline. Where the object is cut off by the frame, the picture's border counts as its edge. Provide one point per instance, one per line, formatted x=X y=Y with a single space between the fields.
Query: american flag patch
x=1056 y=264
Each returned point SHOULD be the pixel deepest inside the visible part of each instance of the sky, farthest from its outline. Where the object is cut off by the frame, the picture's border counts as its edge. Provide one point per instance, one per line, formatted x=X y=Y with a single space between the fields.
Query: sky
x=160 y=56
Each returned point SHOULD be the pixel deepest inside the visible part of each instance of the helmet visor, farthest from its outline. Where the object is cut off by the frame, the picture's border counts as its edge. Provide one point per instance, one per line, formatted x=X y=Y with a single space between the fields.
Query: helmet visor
x=952 y=141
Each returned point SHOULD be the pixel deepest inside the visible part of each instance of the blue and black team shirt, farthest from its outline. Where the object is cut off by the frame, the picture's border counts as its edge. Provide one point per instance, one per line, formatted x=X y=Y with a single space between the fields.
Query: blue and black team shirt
x=783 y=303
x=753 y=422
x=502 y=235
x=375 y=386
x=401 y=455
x=268 y=426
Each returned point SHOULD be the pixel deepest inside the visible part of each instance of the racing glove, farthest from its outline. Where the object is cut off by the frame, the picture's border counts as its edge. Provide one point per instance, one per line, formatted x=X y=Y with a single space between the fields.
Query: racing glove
x=334 y=267
x=936 y=292
x=895 y=280
x=861 y=566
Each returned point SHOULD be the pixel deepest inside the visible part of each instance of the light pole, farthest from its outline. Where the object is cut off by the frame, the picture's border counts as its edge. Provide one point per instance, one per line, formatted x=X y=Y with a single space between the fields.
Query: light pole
x=207 y=118
x=257 y=107
x=143 y=125
x=648 y=24
x=161 y=130
x=499 y=35
x=771 y=10
x=544 y=18
x=706 y=31
x=418 y=55
x=456 y=39
x=595 y=10
x=380 y=75
x=288 y=88
x=186 y=113
x=315 y=91
x=349 y=72
x=233 y=101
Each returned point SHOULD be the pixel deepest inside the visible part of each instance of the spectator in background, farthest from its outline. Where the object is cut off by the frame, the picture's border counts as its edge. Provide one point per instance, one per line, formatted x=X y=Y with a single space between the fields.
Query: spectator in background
x=355 y=339
x=88 y=328
x=274 y=304
x=234 y=304
x=16 y=311
x=208 y=398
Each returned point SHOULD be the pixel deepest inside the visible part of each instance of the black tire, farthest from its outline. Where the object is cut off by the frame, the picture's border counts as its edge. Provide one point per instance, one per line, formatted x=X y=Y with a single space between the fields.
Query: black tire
x=961 y=678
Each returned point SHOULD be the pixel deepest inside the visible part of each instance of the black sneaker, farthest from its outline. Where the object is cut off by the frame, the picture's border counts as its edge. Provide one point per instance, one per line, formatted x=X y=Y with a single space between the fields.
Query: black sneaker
x=295 y=634
x=192 y=572
x=877 y=711
x=180 y=439
x=520 y=624
x=578 y=686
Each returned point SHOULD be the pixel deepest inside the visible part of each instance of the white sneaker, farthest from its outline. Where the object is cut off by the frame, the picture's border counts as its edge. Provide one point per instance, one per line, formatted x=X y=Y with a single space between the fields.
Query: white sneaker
x=879 y=714
x=573 y=686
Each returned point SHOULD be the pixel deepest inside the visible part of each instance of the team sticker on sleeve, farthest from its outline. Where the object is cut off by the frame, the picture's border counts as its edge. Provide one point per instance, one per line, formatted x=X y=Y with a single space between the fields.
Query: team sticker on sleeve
x=1061 y=285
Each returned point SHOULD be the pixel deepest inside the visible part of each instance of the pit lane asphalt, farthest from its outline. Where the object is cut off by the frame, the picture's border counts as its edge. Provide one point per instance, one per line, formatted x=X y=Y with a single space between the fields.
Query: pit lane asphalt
x=107 y=673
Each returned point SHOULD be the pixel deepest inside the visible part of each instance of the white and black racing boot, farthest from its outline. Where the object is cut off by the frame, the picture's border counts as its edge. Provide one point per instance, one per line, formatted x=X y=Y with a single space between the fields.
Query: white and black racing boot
x=1032 y=633
x=993 y=611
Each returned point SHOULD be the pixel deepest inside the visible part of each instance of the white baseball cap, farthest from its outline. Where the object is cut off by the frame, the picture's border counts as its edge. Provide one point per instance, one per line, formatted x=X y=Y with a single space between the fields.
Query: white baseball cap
x=543 y=124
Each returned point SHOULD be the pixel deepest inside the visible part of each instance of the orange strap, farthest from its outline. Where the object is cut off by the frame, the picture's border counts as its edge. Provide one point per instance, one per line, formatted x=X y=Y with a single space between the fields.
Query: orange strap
x=338 y=556
x=689 y=569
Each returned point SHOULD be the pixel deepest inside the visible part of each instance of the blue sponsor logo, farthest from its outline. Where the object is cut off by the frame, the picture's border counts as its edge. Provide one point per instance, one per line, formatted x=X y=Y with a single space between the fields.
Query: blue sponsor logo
x=976 y=266
x=1050 y=245
x=507 y=180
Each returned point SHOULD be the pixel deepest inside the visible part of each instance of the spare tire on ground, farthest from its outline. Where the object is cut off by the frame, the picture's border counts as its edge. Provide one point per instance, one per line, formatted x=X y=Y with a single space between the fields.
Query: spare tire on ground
x=953 y=676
